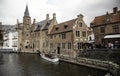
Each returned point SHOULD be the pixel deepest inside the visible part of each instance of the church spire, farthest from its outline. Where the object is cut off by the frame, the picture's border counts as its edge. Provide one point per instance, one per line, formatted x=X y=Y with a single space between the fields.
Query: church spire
x=26 y=13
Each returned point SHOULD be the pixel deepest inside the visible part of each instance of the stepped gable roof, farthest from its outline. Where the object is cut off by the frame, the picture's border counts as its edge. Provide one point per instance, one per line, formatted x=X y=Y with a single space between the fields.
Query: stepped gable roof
x=63 y=27
x=100 y=20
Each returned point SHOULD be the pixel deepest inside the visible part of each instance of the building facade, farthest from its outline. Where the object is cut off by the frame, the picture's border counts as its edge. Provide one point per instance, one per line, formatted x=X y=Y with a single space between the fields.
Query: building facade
x=106 y=27
x=10 y=37
x=69 y=37
x=33 y=37
x=66 y=38
x=24 y=32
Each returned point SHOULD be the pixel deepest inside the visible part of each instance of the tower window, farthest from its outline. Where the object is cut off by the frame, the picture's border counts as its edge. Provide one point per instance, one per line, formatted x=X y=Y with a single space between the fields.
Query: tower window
x=27 y=42
x=26 y=34
x=26 y=46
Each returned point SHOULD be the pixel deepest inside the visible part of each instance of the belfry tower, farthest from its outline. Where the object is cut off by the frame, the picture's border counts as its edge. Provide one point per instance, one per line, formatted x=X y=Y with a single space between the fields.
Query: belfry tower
x=26 y=31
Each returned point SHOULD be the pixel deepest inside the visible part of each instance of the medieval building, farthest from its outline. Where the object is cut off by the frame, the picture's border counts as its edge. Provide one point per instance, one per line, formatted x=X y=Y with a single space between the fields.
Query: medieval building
x=106 y=27
x=24 y=32
x=33 y=37
x=66 y=38
x=69 y=37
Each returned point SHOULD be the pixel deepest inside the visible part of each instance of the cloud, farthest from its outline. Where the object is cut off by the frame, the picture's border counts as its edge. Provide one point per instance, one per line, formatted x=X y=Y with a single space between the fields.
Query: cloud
x=64 y=9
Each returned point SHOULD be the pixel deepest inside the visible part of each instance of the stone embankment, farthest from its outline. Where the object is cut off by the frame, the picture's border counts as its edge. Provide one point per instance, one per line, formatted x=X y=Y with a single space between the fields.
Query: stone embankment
x=94 y=63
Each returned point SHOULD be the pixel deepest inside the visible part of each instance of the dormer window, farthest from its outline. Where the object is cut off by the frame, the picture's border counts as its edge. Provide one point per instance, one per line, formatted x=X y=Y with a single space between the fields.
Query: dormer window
x=57 y=28
x=108 y=20
x=65 y=26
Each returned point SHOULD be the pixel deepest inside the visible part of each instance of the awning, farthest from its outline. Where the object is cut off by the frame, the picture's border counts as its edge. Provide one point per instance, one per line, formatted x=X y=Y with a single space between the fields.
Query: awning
x=112 y=36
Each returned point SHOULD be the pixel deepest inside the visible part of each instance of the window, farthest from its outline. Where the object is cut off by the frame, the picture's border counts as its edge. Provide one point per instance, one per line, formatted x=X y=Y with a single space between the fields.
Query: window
x=84 y=33
x=43 y=44
x=51 y=36
x=77 y=33
x=69 y=45
x=65 y=26
x=90 y=38
x=115 y=29
x=26 y=34
x=59 y=35
x=63 y=45
x=14 y=44
x=51 y=45
x=80 y=24
x=102 y=29
x=26 y=47
x=63 y=35
x=56 y=28
x=54 y=36
x=79 y=45
x=108 y=19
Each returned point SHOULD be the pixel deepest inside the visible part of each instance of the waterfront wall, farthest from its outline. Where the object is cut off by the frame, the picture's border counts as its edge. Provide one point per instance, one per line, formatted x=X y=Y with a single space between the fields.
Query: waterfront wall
x=93 y=63
x=102 y=54
x=104 y=59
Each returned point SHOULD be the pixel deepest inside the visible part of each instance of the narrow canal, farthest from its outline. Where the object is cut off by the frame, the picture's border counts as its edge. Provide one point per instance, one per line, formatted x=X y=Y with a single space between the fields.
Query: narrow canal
x=12 y=64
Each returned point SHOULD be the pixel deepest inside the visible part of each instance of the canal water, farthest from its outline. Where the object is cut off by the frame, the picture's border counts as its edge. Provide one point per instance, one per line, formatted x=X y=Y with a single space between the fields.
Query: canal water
x=12 y=64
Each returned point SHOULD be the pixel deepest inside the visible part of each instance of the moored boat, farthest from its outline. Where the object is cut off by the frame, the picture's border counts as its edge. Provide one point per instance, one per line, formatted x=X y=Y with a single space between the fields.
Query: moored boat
x=49 y=58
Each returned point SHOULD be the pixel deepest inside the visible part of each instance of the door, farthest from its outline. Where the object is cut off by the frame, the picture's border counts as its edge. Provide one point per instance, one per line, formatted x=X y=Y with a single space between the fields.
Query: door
x=58 y=50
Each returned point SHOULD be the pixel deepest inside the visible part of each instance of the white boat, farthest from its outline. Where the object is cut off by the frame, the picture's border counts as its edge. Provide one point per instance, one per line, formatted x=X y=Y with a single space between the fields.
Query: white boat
x=52 y=59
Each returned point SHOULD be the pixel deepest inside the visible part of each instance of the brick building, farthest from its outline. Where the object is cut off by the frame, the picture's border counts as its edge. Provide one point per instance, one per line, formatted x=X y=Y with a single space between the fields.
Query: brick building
x=106 y=27
x=69 y=37
x=66 y=38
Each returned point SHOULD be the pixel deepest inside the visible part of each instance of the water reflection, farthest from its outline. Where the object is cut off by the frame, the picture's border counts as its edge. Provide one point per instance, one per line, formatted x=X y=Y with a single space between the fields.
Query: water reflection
x=33 y=65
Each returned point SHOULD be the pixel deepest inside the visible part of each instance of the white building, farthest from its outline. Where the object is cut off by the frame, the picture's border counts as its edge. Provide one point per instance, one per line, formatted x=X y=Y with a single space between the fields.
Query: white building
x=10 y=37
x=91 y=38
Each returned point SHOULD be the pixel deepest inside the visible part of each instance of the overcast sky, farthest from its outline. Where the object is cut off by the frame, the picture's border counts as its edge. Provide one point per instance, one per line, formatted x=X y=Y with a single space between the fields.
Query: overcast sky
x=11 y=10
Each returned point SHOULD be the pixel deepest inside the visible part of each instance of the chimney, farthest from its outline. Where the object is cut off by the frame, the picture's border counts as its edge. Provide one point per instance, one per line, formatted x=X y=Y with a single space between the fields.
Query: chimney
x=54 y=16
x=34 y=21
x=115 y=9
x=107 y=13
x=47 y=16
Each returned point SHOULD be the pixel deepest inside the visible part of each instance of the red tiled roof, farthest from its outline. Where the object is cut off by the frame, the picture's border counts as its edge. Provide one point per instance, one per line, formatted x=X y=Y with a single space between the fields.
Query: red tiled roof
x=61 y=27
x=114 y=17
